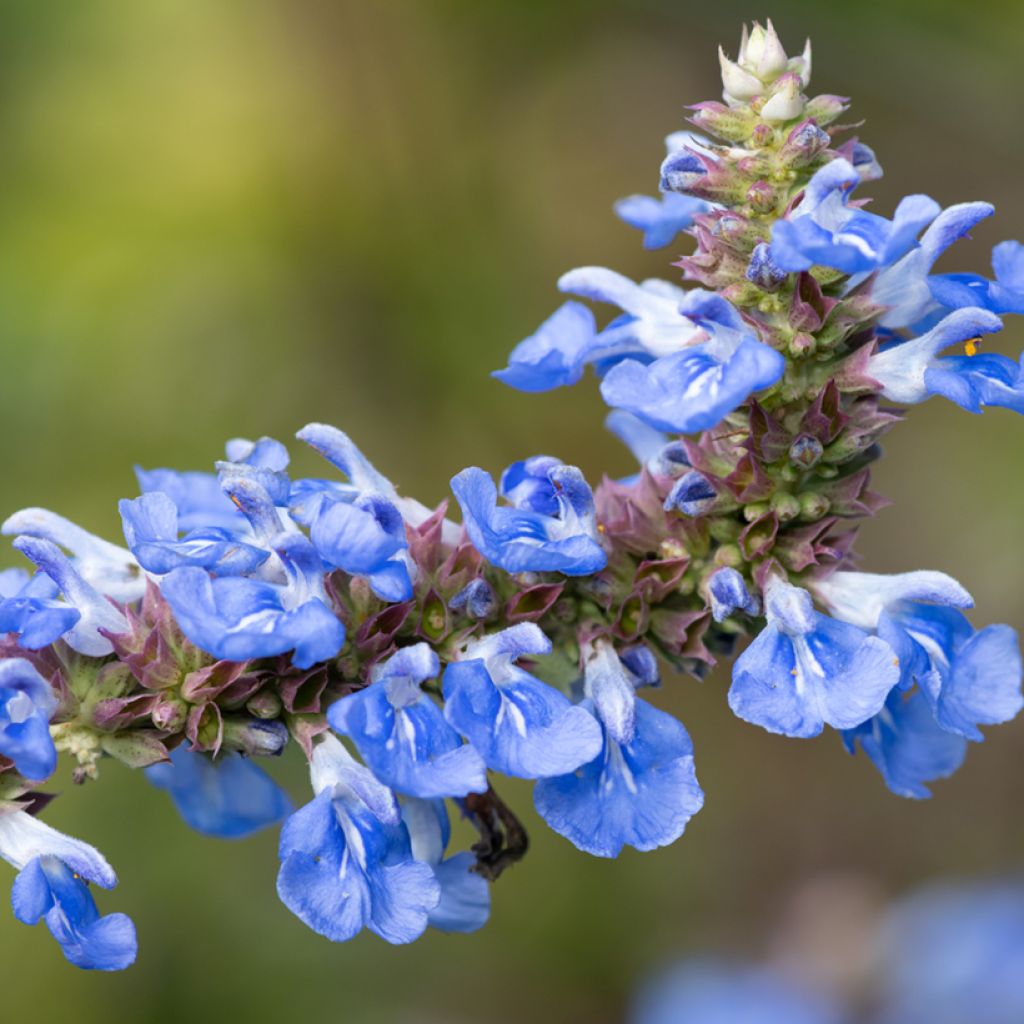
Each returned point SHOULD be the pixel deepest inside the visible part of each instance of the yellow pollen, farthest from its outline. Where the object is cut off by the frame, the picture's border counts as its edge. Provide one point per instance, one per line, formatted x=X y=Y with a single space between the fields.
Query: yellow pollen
x=971 y=346
x=600 y=528
x=792 y=672
x=896 y=662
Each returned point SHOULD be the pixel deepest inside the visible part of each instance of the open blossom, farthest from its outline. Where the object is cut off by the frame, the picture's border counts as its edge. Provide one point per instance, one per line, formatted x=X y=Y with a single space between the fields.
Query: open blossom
x=417 y=661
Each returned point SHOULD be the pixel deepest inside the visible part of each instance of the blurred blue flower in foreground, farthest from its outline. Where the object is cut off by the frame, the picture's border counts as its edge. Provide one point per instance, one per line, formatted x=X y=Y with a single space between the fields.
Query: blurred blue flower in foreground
x=947 y=954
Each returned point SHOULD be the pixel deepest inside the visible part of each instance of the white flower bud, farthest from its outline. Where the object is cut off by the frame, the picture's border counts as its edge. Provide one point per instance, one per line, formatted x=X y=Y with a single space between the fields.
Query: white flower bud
x=765 y=56
x=739 y=84
x=786 y=103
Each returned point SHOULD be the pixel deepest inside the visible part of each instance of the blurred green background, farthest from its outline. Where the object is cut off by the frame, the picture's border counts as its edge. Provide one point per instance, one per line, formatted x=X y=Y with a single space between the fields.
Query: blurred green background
x=231 y=217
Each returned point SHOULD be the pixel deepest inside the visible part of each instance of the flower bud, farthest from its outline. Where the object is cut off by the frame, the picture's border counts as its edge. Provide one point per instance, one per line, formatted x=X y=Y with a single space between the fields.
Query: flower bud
x=738 y=83
x=691 y=494
x=786 y=507
x=734 y=124
x=763 y=53
x=255 y=737
x=805 y=451
x=787 y=102
x=813 y=506
x=825 y=109
x=762 y=197
x=169 y=713
x=265 y=704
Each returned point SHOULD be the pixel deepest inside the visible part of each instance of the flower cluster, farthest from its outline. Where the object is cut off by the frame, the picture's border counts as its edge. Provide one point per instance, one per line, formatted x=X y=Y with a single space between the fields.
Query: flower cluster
x=250 y=611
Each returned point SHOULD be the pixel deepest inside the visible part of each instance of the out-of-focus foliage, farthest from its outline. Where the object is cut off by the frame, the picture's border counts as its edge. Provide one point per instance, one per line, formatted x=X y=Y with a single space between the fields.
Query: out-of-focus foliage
x=232 y=218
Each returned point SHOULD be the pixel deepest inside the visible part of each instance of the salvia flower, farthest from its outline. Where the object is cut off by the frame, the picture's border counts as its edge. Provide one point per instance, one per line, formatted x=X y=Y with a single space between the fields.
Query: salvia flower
x=806 y=670
x=346 y=858
x=402 y=734
x=519 y=725
x=53 y=870
x=641 y=789
x=26 y=705
x=549 y=527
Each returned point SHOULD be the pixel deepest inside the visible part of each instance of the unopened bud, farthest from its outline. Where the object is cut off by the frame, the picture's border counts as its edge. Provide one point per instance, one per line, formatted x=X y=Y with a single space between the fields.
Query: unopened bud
x=805 y=451
x=762 y=197
x=786 y=102
x=691 y=494
x=802 y=345
x=169 y=713
x=813 y=506
x=255 y=737
x=785 y=505
x=265 y=704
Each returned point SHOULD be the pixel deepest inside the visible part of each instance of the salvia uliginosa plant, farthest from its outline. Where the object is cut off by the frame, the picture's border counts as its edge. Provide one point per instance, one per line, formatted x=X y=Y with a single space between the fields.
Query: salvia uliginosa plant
x=415 y=661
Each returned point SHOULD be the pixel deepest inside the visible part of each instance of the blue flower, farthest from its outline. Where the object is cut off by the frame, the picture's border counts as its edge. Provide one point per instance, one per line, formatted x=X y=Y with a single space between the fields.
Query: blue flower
x=641 y=789
x=953 y=954
x=911 y=371
x=108 y=569
x=236 y=618
x=358 y=526
x=912 y=297
x=465 y=901
x=660 y=221
x=523 y=539
x=907 y=746
x=969 y=678
x=806 y=670
x=728 y=594
x=29 y=607
x=365 y=537
x=51 y=884
x=694 y=388
x=151 y=530
x=228 y=797
x=714 y=993
x=27 y=704
x=96 y=615
x=520 y=726
x=1003 y=295
x=346 y=859
x=402 y=734
x=826 y=230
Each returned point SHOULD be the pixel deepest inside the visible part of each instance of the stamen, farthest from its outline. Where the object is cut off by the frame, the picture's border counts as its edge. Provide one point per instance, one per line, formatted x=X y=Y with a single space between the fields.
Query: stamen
x=971 y=346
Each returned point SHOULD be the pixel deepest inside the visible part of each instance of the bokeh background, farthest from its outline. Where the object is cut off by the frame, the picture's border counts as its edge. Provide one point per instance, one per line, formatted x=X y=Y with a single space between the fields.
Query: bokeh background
x=231 y=217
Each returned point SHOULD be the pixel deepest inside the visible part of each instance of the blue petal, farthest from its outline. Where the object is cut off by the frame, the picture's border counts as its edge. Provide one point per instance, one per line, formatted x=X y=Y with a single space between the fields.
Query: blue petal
x=229 y=797
x=554 y=356
x=835 y=674
x=465 y=896
x=521 y=727
x=907 y=745
x=640 y=794
x=984 y=683
x=691 y=390
x=411 y=748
